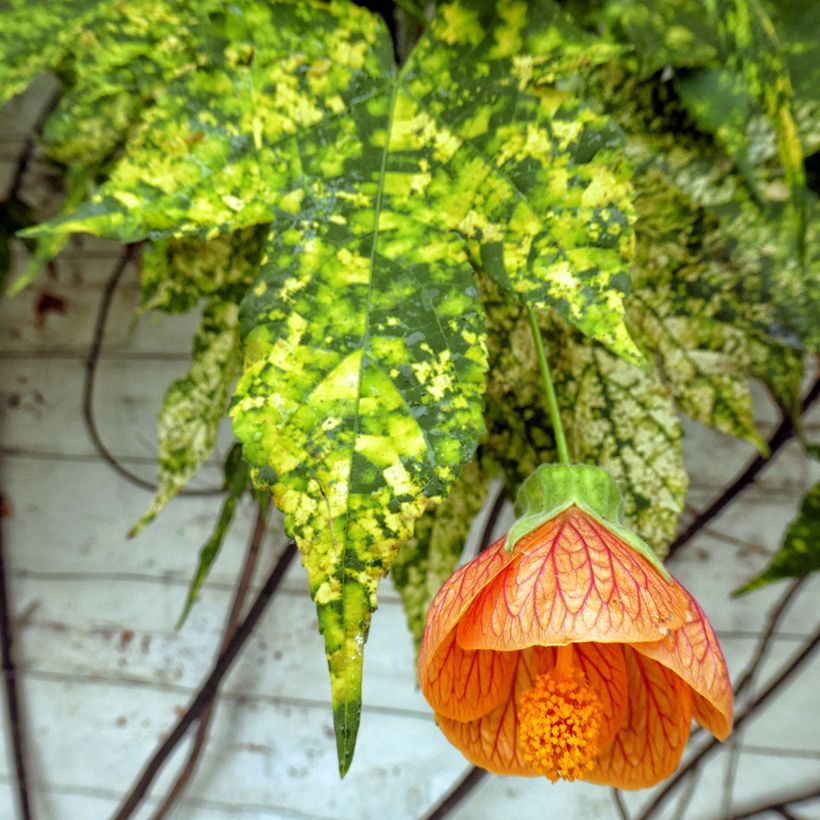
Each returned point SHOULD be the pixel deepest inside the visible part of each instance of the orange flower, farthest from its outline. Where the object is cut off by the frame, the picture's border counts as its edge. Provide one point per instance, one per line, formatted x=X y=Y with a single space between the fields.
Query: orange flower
x=573 y=655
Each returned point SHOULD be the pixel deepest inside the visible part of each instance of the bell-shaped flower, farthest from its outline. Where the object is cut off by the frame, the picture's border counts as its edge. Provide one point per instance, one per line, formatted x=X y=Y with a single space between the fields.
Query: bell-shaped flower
x=567 y=650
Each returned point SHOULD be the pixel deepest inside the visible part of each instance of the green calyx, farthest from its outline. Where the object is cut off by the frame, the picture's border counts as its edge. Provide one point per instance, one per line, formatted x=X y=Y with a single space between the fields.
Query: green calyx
x=552 y=488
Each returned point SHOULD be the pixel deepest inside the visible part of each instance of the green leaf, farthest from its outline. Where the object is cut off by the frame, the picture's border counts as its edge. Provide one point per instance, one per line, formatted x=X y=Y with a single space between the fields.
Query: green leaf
x=194 y=405
x=177 y=273
x=35 y=36
x=77 y=186
x=361 y=398
x=755 y=62
x=615 y=416
x=663 y=32
x=425 y=561
x=719 y=104
x=709 y=325
x=237 y=479
x=123 y=58
x=466 y=138
x=799 y=554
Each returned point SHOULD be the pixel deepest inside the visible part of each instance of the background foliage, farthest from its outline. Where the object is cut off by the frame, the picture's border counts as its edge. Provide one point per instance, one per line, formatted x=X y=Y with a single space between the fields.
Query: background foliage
x=362 y=211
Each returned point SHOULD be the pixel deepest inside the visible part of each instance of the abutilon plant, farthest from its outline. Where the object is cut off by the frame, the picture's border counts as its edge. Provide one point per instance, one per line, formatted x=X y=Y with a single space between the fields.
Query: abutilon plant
x=376 y=248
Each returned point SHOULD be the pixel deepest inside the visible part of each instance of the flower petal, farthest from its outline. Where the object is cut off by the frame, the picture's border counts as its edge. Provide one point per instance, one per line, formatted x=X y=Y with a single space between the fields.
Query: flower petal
x=604 y=668
x=465 y=683
x=650 y=743
x=491 y=741
x=693 y=652
x=572 y=580
x=459 y=683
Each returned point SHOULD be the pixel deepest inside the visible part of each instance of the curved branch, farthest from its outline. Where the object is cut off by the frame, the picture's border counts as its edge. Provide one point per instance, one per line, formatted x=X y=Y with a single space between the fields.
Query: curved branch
x=781 y=435
x=10 y=678
x=209 y=687
x=778 y=804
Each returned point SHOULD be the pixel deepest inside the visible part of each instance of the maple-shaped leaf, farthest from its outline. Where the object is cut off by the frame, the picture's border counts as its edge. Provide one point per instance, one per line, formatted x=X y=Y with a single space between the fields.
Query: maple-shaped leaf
x=361 y=397
x=799 y=553
x=482 y=145
x=194 y=405
x=425 y=561
x=615 y=415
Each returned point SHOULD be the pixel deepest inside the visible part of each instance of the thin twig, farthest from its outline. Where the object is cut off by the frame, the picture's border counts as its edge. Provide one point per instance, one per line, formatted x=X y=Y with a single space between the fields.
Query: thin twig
x=209 y=687
x=765 y=639
x=27 y=151
x=778 y=804
x=89 y=381
x=12 y=700
x=781 y=435
x=740 y=719
x=464 y=786
x=234 y=616
x=747 y=680
x=620 y=805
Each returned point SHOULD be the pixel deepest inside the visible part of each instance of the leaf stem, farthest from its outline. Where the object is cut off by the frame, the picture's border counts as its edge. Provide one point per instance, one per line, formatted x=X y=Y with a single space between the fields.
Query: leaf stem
x=549 y=390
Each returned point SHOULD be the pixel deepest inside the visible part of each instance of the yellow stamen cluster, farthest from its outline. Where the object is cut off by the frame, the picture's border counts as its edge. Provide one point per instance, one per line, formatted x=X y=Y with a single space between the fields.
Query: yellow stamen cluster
x=559 y=723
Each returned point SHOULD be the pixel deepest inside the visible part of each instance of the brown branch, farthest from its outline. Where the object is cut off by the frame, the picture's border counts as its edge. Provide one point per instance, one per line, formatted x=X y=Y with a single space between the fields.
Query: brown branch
x=464 y=786
x=90 y=377
x=209 y=687
x=620 y=805
x=765 y=639
x=778 y=804
x=10 y=680
x=740 y=719
x=27 y=151
x=781 y=435
x=201 y=738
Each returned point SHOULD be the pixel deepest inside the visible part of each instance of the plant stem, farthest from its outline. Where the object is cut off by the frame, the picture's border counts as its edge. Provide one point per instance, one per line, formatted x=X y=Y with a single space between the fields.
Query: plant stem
x=208 y=689
x=549 y=390
x=234 y=617
x=15 y=721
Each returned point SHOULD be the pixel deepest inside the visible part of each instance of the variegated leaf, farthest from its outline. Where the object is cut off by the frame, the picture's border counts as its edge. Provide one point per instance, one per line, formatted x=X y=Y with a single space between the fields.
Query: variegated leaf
x=754 y=56
x=35 y=36
x=177 y=273
x=195 y=404
x=473 y=137
x=800 y=552
x=115 y=67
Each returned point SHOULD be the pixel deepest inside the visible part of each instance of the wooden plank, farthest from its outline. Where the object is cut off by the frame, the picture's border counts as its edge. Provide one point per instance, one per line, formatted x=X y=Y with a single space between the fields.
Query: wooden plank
x=41 y=399
x=125 y=630
x=97 y=736
x=77 y=283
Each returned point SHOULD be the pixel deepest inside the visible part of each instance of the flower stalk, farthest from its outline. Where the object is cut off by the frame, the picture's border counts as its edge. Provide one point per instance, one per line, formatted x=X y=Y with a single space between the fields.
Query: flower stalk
x=549 y=390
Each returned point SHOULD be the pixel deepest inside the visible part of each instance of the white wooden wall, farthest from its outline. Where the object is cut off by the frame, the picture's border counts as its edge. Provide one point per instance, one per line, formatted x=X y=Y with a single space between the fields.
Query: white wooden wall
x=103 y=672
